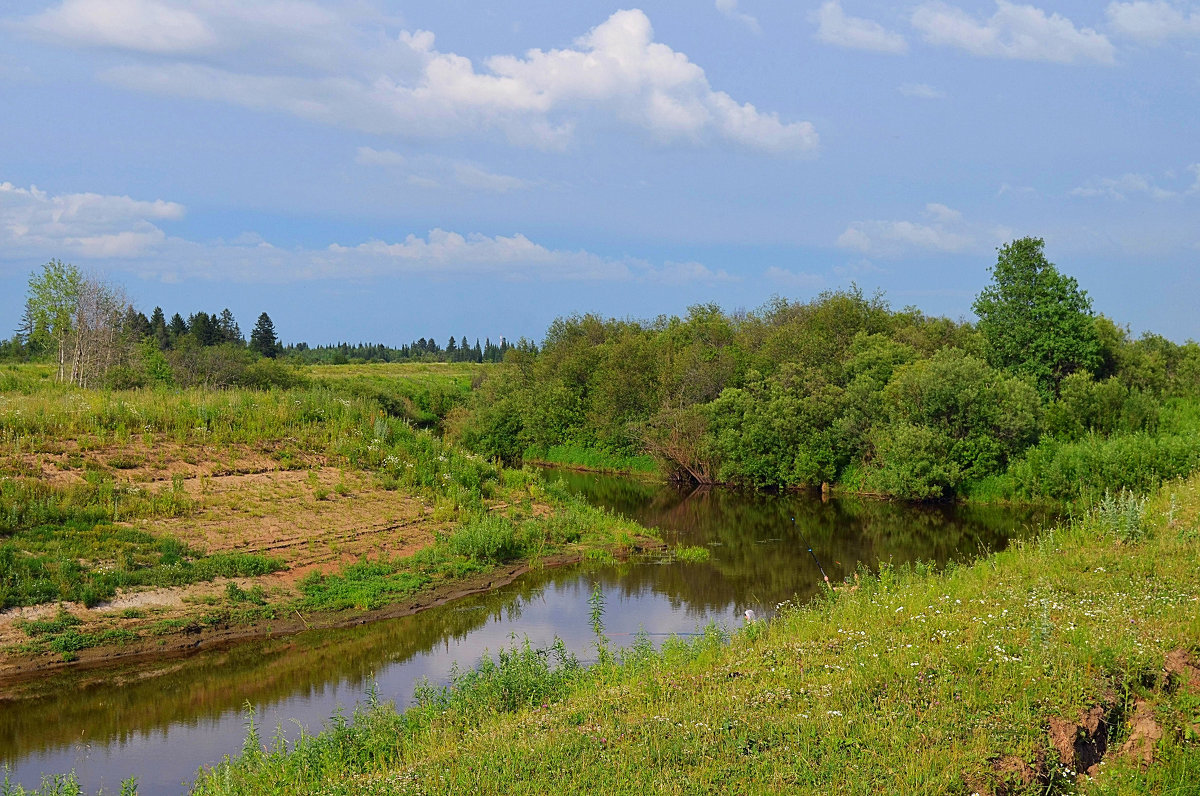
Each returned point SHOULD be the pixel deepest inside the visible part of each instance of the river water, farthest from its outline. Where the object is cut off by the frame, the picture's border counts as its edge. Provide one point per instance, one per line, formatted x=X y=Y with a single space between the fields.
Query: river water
x=160 y=722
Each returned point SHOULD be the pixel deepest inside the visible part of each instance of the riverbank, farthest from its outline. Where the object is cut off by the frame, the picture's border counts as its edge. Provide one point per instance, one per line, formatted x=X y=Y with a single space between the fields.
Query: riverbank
x=355 y=555
x=1070 y=663
x=140 y=523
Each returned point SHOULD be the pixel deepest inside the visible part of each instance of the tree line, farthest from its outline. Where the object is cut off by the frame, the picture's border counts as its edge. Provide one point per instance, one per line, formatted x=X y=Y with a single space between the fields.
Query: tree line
x=1040 y=398
x=422 y=350
x=98 y=338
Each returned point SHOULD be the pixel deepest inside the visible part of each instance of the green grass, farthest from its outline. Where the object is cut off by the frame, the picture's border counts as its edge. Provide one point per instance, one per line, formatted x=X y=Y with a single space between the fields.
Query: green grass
x=84 y=561
x=915 y=682
x=478 y=544
x=421 y=393
x=69 y=543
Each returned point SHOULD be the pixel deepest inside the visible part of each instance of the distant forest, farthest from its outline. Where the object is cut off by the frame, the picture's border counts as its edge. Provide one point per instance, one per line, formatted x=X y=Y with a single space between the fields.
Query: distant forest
x=98 y=338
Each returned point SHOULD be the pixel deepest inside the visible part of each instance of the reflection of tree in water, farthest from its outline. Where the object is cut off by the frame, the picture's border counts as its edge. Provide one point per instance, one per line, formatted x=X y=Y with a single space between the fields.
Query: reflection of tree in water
x=140 y=698
x=759 y=555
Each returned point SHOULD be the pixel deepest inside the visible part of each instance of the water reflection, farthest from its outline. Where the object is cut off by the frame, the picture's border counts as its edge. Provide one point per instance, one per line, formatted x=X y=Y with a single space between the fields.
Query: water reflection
x=759 y=550
x=163 y=720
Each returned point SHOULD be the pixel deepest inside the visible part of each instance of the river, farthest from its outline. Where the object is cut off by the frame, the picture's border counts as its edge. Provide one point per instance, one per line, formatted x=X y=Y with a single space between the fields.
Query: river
x=161 y=721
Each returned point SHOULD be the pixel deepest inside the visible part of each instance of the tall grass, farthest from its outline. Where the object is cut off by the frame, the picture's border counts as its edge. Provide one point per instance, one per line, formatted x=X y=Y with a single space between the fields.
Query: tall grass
x=914 y=682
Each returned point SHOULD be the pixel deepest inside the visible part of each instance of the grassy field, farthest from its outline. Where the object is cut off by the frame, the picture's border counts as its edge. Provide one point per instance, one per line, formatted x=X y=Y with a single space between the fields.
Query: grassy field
x=130 y=515
x=1068 y=664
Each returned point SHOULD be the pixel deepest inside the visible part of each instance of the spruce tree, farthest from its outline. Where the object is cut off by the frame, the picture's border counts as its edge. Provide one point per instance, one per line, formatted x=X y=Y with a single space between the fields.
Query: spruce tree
x=262 y=338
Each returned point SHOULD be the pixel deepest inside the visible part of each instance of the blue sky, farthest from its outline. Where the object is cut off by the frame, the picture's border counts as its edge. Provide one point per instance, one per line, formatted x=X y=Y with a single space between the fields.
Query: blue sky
x=384 y=171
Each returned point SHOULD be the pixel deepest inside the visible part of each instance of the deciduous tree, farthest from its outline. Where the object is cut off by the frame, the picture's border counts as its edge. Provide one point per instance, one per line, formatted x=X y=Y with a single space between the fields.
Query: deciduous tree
x=1035 y=320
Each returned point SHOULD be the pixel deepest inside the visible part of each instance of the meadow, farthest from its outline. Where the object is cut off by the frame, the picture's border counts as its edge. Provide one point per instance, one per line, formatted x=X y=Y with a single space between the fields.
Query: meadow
x=334 y=495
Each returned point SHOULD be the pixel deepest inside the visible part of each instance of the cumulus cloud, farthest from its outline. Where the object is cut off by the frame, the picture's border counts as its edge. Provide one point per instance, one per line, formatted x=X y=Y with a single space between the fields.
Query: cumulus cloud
x=336 y=68
x=921 y=91
x=1132 y=185
x=33 y=222
x=794 y=280
x=834 y=27
x=437 y=172
x=1017 y=31
x=514 y=257
x=942 y=230
x=730 y=9
x=122 y=233
x=1152 y=22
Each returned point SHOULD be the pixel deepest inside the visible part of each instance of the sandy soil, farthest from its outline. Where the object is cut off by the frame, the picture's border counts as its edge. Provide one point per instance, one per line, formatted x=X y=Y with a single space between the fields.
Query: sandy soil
x=316 y=519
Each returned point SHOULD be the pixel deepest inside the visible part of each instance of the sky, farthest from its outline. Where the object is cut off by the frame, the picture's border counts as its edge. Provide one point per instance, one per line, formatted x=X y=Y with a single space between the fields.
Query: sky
x=382 y=171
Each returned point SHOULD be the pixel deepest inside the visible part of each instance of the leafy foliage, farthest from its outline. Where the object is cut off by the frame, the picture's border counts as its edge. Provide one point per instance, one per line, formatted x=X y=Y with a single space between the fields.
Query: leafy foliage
x=843 y=390
x=1036 y=320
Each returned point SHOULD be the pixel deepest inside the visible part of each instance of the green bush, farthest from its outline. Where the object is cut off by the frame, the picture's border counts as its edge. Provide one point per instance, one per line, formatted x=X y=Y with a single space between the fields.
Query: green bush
x=490 y=537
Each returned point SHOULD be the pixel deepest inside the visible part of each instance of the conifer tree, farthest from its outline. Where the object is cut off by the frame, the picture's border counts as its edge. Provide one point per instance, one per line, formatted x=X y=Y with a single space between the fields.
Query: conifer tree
x=262 y=338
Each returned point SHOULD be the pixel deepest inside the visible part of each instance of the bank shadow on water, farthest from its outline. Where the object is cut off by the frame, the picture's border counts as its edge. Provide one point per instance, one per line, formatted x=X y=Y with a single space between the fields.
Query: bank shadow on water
x=161 y=721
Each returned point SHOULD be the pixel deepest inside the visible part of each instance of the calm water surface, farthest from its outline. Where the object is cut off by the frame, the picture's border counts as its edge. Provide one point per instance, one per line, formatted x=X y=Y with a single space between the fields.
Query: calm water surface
x=161 y=722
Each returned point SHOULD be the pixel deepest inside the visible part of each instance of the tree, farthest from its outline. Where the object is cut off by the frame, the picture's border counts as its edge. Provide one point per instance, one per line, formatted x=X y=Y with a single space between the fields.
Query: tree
x=1035 y=320
x=53 y=298
x=158 y=329
x=203 y=327
x=262 y=338
x=98 y=338
x=229 y=329
x=178 y=328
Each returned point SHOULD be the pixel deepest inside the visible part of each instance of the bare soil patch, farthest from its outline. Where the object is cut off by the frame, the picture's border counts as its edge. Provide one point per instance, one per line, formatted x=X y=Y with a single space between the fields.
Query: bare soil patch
x=317 y=520
x=1144 y=735
x=1182 y=670
x=314 y=520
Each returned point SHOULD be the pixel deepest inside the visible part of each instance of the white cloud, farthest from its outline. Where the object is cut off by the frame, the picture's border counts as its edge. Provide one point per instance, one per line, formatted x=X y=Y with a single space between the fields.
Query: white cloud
x=142 y=25
x=921 y=91
x=366 y=156
x=730 y=9
x=1022 y=32
x=339 y=67
x=1152 y=22
x=1122 y=187
x=120 y=232
x=471 y=176
x=35 y=223
x=671 y=273
x=834 y=27
x=794 y=280
x=943 y=230
x=437 y=172
x=512 y=257
x=1130 y=185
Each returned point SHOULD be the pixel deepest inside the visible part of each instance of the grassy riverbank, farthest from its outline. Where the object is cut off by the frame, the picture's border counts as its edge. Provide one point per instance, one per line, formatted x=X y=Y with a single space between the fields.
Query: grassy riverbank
x=1016 y=674
x=132 y=518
